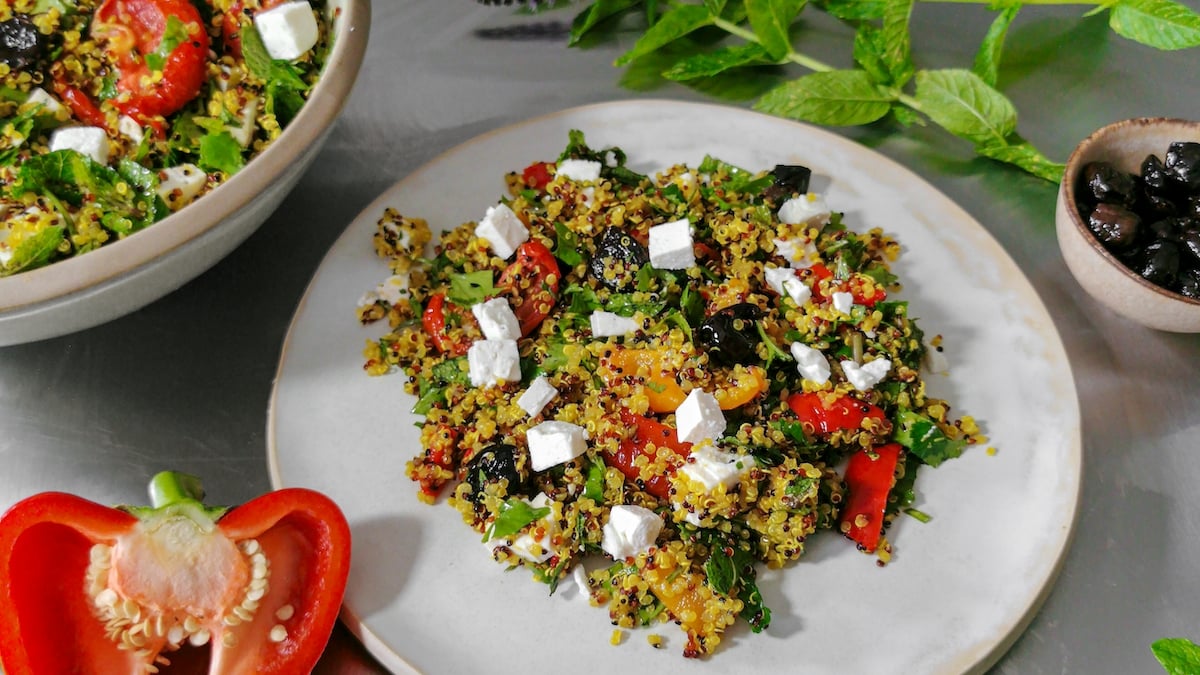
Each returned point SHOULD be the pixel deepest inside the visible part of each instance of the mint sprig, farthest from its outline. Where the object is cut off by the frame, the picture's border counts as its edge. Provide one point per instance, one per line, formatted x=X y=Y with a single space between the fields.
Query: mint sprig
x=1178 y=656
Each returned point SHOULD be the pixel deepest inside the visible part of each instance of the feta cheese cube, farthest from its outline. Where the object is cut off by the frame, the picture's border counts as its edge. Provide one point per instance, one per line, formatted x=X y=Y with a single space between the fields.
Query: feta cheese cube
x=811 y=363
x=496 y=319
x=866 y=376
x=493 y=361
x=607 y=324
x=179 y=185
x=289 y=30
x=579 y=170
x=799 y=252
x=502 y=229
x=50 y=105
x=243 y=133
x=554 y=442
x=783 y=280
x=393 y=289
x=712 y=467
x=538 y=549
x=809 y=209
x=842 y=302
x=537 y=396
x=699 y=418
x=130 y=129
x=630 y=530
x=935 y=359
x=90 y=141
x=671 y=245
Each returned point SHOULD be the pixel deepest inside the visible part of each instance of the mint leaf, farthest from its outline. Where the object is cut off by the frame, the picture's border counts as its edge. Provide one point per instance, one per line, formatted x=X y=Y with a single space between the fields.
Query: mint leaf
x=924 y=439
x=220 y=152
x=676 y=23
x=1162 y=24
x=593 y=488
x=1026 y=157
x=514 y=515
x=470 y=288
x=566 y=245
x=714 y=63
x=598 y=11
x=173 y=35
x=966 y=106
x=16 y=130
x=258 y=60
x=855 y=10
x=897 y=55
x=987 y=59
x=839 y=97
x=869 y=45
x=771 y=20
x=1178 y=656
x=35 y=251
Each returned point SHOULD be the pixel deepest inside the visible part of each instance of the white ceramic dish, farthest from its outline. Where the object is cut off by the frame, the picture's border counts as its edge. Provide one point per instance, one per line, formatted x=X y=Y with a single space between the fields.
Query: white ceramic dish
x=116 y=279
x=424 y=595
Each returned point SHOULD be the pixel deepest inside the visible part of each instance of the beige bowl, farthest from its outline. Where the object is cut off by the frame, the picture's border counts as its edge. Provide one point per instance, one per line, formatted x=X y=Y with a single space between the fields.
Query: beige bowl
x=1125 y=145
x=114 y=280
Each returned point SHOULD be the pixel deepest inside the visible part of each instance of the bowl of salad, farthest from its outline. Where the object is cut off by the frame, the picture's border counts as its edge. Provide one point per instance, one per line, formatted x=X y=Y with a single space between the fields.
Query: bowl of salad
x=142 y=140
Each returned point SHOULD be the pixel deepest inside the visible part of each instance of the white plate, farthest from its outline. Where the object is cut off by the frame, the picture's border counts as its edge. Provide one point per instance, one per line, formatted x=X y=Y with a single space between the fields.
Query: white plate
x=423 y=593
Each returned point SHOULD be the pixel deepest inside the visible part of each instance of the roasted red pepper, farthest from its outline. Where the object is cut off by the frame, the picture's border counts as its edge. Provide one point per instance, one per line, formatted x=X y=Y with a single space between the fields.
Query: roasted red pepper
x=92 y=589
x=868 y=482
x=862 y=288
x=537 y=175
x=845 y=414
x=531 y=282
x=646 y=430
x=434 y=320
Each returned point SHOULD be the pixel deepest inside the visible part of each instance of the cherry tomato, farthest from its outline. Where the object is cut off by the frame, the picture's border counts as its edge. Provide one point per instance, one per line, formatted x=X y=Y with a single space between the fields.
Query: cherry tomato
x=868 y=481
x=537 y=175
x=646 y=430
x=531 y=282
x=434 y=321
x=845 y=414
x=231 y=25
x=133 y=29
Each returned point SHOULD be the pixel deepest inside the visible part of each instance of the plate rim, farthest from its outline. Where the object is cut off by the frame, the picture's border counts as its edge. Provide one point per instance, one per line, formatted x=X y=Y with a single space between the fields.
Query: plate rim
x=1063 y=538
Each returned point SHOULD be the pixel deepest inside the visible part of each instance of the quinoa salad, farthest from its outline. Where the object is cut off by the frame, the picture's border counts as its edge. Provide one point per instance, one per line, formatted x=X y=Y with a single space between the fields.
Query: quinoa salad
x=676 y=378
x=116 y=113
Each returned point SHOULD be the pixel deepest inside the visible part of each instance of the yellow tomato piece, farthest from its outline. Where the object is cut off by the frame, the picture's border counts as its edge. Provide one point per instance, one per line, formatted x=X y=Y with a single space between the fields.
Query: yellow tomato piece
x=662 y=390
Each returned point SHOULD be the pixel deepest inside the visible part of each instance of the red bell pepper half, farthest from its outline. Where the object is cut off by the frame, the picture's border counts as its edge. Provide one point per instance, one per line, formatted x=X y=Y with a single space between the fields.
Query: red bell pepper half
x=645 y=431
x=868 y=482
x=434 y=320
x=845 y=414
x=92 y=589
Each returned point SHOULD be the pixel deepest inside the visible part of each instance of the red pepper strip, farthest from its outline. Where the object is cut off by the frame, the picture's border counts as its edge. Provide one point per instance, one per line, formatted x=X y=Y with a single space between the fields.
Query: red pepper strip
x=131 y=29
x=84 y=109
x=645 y=431
x=177 y=561
x=436 y=466
x=434 y=321
x=856 y=285
x=868 y=481
x=537 y=175
x=532 y=284
x=846 y=414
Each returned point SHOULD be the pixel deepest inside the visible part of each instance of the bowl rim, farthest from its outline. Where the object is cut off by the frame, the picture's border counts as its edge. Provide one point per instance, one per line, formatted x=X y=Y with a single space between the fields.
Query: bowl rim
x=1074 y=167
x=74 y=275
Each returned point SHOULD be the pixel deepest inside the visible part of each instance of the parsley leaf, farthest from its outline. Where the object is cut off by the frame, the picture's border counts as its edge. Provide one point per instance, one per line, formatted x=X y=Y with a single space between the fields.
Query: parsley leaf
x=514 y=515
x=470 y=288
x=566 y=245
x=220 y=152
x=924 y=439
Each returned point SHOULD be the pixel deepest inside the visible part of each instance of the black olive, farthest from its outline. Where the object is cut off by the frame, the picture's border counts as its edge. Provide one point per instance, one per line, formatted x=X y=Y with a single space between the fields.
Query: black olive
x=617 y=260
x=789 y=179
x=494 y=463
x=1191 y=207
x=1157 y=208
x=1159 y=263
x=1103 y=182
x=1183 y=163
x=1190 y=239
x=1170 y=229
x=1155 y=179
x=1115 y=226
x=1189 y=283
x=730 y=335
x=21 y=45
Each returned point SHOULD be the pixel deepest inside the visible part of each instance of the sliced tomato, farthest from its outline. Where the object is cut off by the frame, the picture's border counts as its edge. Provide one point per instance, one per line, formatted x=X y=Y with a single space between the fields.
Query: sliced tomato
x=531 y=282
x=133 y=29
x=869 y=478
x=537 y=175
x=434 y=319
x=844 y=414
x=646 y=430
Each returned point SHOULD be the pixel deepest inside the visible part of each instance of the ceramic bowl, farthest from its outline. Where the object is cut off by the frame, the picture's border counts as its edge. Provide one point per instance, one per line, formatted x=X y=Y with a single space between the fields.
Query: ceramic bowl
x=1124 y=144
x=116 y=279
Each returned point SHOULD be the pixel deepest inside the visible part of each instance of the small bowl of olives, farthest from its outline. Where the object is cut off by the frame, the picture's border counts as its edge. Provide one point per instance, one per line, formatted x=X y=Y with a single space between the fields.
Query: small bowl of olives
x=1128 y=220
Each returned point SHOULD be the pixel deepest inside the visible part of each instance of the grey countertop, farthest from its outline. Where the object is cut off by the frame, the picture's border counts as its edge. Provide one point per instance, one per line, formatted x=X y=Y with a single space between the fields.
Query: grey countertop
x=184 y=383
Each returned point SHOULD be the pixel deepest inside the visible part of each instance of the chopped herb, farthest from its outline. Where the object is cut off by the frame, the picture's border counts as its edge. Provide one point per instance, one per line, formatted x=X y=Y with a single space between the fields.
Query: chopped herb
x=514 y=515
x=566 y=246
x=924 y=439
x=470 y=288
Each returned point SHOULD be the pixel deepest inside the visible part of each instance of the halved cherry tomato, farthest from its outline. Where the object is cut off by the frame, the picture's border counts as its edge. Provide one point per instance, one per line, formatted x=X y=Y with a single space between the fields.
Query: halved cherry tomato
x=132 y=29
x=537 y=175
x=531 y=283
x=646 y=431
x=434 y=321
x=868 y=481
x=844 y=414
x=231 y=24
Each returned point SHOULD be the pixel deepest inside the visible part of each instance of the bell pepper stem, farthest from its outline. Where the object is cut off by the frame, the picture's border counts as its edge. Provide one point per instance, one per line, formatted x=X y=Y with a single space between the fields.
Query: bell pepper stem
x=171 y=487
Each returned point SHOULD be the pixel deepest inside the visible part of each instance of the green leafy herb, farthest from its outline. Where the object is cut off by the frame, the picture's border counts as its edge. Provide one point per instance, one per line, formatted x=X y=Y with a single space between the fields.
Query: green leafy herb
x=677 y=22
x=566 y=245
x=924 y=439
x=771 y=20
x=220 y=152
x=174 y=34
x=1162 y=24
x=35 y=251
x=1178 y=656
x=716 y=62
x=987 y=59
x=595 y=14
x=593 y=488
x=452 y=371
x=470 y=288
x=965 y=105
x=514 y=515
x=17 y=131
x=837 y=98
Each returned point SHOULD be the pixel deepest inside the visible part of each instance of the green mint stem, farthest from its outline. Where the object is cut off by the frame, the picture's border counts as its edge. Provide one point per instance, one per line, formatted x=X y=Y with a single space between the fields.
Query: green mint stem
x=170 y=487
